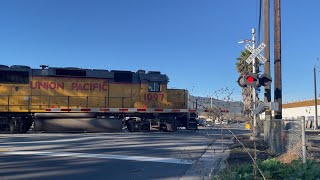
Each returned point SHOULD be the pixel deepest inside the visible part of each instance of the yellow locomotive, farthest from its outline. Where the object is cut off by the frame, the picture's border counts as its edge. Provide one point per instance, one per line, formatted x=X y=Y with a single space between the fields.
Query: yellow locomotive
x=75 y=99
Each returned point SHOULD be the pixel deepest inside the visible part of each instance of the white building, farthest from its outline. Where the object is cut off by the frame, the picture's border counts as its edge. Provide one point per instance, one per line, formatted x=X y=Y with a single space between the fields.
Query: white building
x=301 y=108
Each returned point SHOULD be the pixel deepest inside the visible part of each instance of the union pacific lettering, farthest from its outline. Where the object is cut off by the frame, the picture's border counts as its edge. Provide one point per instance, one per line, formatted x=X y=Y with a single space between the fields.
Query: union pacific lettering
x=89 y=86
x=46 y=85
x=50 y=85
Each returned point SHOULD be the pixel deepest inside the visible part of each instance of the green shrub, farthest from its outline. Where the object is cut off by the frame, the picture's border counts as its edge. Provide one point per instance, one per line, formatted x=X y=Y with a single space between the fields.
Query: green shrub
x=273 y=169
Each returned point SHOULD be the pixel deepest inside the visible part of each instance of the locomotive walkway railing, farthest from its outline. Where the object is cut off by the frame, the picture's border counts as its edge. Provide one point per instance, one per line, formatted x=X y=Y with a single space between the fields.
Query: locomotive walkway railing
x=40 y=102
x=27 y=103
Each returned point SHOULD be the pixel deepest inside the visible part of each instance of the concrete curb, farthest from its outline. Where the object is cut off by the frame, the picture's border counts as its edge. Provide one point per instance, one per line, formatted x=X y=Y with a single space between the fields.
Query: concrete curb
x=210 y=162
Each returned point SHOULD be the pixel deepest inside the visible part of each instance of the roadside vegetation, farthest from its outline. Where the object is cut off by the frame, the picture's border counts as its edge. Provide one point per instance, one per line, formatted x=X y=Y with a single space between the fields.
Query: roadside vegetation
x=240 y=166
x=272 y=169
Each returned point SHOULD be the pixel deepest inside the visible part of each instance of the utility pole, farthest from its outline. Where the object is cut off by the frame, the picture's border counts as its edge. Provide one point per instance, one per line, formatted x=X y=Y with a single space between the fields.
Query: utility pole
x=254 y=71
x=315 y=98
x=267 y=89
x=277 y=59
x=277 y=76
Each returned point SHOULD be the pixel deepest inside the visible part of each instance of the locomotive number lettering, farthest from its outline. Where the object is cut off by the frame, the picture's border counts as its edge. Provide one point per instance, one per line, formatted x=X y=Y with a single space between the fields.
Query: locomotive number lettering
x=153 y=96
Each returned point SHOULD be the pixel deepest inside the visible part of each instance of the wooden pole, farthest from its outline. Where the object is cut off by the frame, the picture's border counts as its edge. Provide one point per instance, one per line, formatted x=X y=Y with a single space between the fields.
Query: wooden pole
x=267 y=89
x=277 y=78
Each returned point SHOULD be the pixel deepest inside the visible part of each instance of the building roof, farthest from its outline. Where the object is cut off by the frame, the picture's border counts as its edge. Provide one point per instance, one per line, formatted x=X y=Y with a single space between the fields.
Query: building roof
x=300 y=104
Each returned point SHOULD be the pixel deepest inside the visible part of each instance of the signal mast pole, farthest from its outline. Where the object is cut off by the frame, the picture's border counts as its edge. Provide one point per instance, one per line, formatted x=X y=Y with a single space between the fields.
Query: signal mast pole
x=254 y=71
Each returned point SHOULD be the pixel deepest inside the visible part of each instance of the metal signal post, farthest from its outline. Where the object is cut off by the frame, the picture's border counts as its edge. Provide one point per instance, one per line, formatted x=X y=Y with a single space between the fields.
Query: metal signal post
x=254 y=71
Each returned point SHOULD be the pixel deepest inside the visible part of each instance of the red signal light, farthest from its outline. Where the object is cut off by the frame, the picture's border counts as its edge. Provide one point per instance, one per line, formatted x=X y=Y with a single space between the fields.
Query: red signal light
x=250 y=79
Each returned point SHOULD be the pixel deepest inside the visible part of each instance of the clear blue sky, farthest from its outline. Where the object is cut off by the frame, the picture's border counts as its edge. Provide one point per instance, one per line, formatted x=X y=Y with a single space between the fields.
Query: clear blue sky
x=193 y=42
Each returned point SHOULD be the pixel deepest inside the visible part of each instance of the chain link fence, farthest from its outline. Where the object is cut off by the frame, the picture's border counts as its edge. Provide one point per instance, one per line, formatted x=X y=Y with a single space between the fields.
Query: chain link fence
x=294 y=140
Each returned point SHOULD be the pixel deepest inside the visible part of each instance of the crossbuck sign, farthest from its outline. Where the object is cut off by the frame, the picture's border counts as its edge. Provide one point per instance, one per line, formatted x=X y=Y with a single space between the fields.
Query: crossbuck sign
x=255 y=53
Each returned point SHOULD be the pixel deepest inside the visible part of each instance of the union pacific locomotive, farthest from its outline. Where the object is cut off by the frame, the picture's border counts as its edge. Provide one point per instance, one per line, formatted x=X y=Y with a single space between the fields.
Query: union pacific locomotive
x=92 y=100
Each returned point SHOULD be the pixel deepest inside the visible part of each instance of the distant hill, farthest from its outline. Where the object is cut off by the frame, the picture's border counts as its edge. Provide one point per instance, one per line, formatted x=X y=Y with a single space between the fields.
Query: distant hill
x=234 y=107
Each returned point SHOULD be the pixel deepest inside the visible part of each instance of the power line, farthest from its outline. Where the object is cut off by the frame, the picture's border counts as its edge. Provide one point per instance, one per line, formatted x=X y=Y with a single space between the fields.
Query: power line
x=259 y=21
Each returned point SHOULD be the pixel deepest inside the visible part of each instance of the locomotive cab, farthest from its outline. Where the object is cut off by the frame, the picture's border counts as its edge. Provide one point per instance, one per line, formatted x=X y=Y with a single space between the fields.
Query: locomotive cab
x=15 y=98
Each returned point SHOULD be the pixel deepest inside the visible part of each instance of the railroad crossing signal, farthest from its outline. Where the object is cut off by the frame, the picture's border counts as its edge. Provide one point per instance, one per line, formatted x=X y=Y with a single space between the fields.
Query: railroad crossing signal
x=254 y=80
x=255 y=53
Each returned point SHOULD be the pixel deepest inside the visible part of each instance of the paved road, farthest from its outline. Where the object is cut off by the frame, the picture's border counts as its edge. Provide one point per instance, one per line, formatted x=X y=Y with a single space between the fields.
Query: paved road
x=152 y=155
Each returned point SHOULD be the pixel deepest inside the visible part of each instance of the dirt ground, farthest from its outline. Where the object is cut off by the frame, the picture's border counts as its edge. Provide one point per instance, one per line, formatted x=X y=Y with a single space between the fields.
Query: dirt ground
x=239 y=155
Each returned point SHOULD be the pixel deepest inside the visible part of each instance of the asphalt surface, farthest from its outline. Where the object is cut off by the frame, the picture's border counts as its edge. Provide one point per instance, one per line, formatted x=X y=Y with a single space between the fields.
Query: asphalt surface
x=123 y=155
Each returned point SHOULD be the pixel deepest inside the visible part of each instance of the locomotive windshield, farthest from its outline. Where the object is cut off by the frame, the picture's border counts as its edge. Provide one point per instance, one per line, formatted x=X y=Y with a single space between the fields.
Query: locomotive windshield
x=154 y=86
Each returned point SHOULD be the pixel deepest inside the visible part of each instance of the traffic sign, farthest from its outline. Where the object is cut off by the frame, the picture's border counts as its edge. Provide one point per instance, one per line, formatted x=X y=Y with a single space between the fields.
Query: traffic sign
x=255 y=53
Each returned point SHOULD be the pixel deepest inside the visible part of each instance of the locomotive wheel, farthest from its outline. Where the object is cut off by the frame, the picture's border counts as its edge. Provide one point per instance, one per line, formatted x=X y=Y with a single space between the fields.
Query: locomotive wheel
x=12 y=127
x=133 y=126
x=25 y=126
x=145 y=127
x=163 y=127
x=129 y=124
x=170 y=127
x=20 y=125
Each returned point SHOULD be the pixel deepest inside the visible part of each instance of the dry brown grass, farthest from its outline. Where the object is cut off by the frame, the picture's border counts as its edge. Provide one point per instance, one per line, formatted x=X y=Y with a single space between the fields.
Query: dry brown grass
x=288 y=157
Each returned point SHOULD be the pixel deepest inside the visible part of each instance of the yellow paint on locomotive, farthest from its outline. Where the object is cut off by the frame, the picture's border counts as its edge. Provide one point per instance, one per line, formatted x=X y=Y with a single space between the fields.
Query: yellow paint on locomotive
x=178 y=98
x=63 y=92
x=123 y=95
x=14 y=97
x=166 y=98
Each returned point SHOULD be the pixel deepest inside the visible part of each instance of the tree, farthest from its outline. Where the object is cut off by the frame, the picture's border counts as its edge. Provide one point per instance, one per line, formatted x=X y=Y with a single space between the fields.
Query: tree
x=243 y=68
